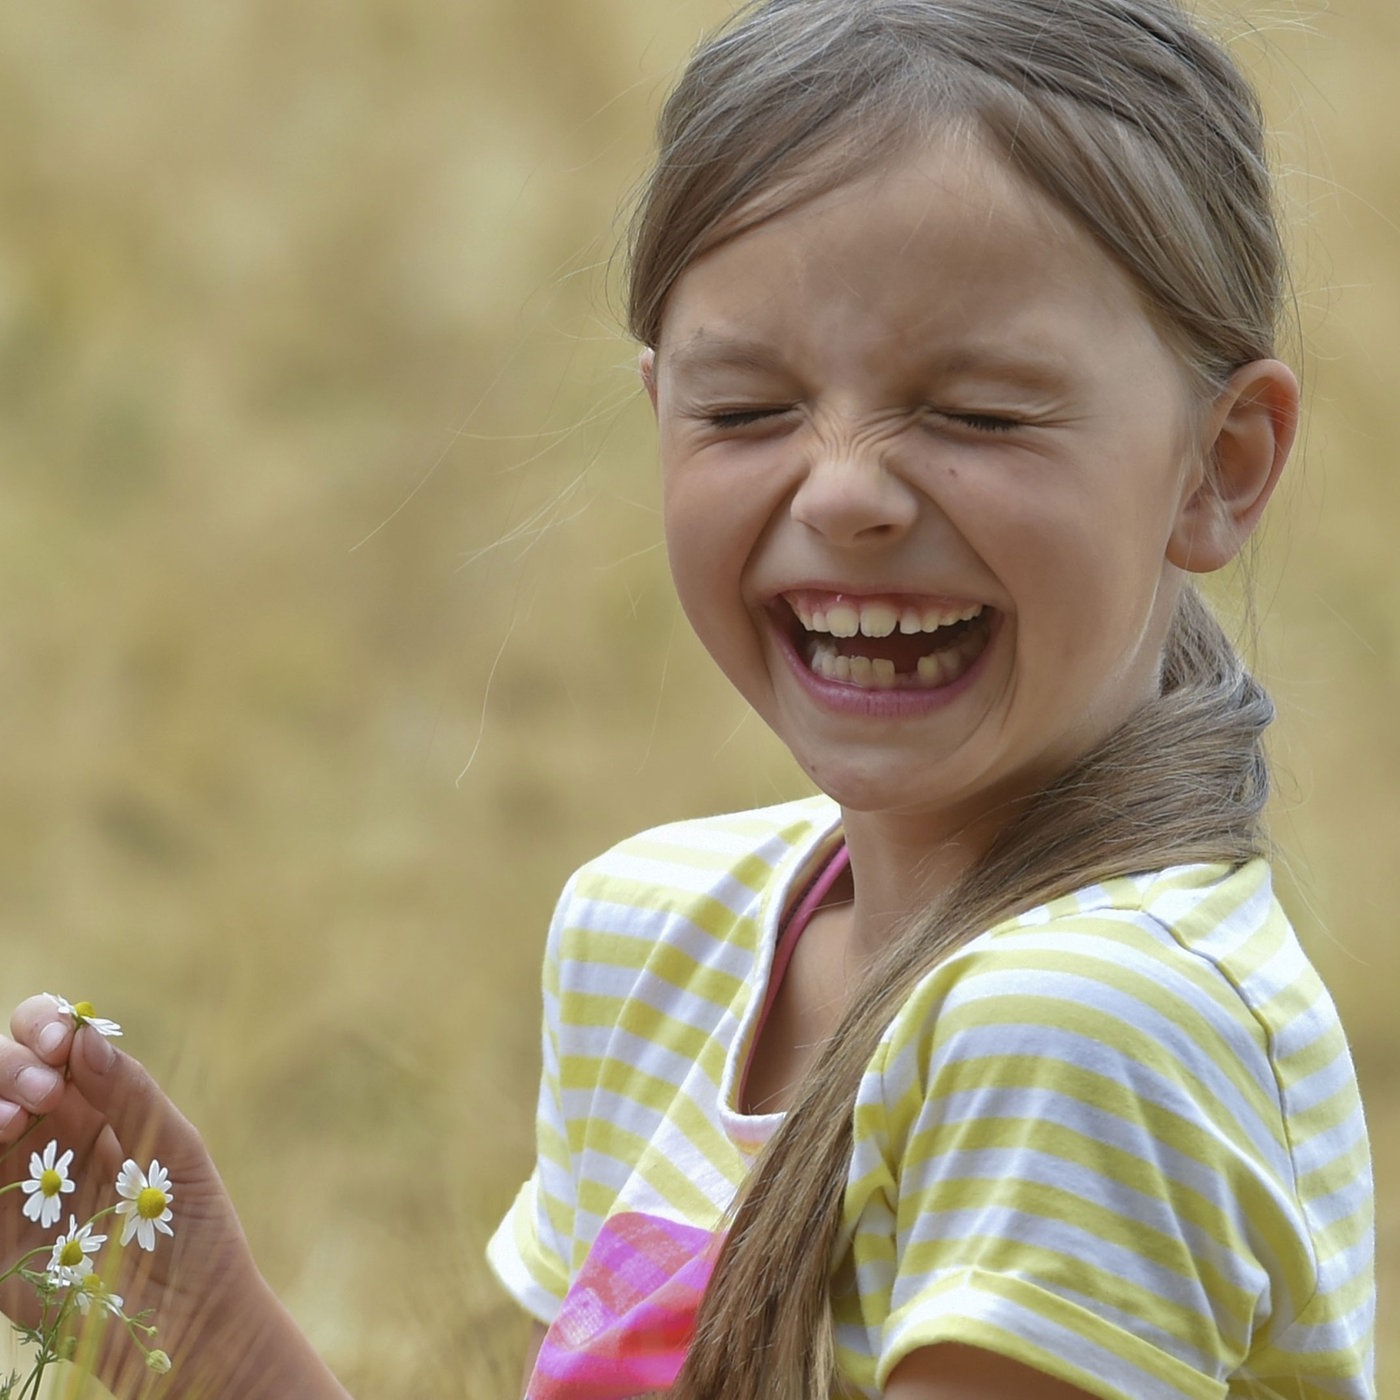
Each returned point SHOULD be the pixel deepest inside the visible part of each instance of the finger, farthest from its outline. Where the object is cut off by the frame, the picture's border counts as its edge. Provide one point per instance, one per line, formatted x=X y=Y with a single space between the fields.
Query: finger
x=145 y=1122
x=30 y=1079
x=14 y=1122
x=27 y=1086
x=38 y=1023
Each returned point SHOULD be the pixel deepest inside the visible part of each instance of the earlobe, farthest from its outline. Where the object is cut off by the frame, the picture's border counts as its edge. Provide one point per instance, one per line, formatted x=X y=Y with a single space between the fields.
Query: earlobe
x=1251 y=429
x=646 y=367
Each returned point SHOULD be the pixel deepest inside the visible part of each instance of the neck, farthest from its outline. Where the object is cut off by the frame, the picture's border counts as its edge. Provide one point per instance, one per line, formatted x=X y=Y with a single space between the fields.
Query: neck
x=899 y=866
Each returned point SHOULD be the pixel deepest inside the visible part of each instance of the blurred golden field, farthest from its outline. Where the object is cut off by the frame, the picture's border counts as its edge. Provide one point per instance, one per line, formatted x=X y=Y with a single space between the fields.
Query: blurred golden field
x=337 y=630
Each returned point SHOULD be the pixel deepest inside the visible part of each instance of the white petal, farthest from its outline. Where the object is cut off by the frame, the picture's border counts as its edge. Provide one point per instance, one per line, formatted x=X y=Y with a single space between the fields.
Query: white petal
x=70 y=1274
x=63 y=1162
x=33 y=1207
x=129 y=1227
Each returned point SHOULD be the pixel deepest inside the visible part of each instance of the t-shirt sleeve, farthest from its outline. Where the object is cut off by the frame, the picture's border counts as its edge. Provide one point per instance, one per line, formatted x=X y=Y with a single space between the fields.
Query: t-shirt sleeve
x=1069 y=1152
x=531 y=1249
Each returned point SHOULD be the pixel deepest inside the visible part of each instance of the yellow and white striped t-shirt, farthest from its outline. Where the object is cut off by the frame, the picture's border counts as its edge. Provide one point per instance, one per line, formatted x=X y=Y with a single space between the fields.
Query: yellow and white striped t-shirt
x=1117 y=1138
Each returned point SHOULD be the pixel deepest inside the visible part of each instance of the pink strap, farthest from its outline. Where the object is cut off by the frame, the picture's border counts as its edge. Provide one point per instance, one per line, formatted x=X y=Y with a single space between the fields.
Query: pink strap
x=793 y=929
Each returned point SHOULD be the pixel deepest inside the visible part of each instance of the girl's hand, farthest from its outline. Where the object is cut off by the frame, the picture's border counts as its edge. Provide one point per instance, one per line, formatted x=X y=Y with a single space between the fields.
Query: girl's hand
x=216 y=1318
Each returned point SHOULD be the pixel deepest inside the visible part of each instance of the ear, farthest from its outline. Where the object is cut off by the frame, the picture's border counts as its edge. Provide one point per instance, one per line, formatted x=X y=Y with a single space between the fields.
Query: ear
x=646 y=367
x=1249 y=433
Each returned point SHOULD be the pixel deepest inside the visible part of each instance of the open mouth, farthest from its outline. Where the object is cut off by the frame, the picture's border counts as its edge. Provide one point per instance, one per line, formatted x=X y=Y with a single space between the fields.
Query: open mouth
x=888 y=643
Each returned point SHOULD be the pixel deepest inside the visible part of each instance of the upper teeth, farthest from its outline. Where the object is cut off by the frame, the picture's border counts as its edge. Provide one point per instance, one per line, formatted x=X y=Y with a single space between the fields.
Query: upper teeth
x=847 y=618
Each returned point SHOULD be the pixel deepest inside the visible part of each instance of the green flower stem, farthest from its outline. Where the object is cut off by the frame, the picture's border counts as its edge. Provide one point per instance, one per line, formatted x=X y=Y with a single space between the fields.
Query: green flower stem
x=36 y=1376
x=18 y=1265
x=5 y=1152
x=48 y=1341
x=135 y=1325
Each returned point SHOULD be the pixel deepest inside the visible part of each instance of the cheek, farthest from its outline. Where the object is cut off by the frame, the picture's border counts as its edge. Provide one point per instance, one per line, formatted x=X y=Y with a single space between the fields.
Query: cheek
x=686 y=525
x=1081 y=568
x=708 y=552
x=713 y=528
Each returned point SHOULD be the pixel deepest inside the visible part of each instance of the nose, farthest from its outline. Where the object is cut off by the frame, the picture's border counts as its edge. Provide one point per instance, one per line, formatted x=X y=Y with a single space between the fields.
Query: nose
x=849 y=495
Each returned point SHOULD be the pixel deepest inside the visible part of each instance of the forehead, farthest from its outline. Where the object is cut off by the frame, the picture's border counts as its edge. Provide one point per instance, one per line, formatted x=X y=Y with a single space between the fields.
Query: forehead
x=944 y=243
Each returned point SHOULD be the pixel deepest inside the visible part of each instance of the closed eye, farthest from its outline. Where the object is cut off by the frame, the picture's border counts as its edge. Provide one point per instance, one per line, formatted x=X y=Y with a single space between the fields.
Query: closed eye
x=976 y=422
x=742 y=417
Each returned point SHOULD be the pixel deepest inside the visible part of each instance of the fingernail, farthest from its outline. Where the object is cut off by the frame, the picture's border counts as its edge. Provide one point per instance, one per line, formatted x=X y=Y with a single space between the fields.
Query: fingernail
x=52 y=1036
x=35 y=1085
x=98 y=1051
x=8 y=1113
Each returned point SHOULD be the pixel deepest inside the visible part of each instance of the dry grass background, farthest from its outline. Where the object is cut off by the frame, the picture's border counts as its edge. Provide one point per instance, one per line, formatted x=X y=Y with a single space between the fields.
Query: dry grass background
x=337 y=631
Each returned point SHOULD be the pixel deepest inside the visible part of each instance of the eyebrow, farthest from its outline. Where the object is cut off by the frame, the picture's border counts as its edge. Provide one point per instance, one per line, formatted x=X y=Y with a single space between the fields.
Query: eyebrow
x=702 y=354
x=1034 y=371
x=1027 y=369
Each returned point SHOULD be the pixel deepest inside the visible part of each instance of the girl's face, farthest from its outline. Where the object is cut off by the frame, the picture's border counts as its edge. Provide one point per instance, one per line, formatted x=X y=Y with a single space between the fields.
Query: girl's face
x=926 y=467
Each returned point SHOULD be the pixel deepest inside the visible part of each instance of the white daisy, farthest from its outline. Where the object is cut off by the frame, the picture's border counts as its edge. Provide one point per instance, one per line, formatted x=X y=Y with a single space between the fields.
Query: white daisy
x=92 y=1292
x=48 y=1180
x=70 y=1275
x=147 y=1202
x=82 y=1014
x=69 y=1262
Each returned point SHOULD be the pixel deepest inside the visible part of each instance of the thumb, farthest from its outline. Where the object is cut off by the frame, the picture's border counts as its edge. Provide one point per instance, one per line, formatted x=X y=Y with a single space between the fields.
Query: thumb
x=144 y=1120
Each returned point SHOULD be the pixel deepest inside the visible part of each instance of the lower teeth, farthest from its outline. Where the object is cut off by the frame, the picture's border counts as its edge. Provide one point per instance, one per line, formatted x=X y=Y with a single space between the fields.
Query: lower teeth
x=878 y=673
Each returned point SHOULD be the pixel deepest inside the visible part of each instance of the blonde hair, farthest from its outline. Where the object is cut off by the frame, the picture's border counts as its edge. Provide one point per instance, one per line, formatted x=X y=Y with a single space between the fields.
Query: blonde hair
x=1142 y=129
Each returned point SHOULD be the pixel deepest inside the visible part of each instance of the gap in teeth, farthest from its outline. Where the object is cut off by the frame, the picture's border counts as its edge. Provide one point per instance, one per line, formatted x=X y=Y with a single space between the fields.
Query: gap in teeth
x=934 y=669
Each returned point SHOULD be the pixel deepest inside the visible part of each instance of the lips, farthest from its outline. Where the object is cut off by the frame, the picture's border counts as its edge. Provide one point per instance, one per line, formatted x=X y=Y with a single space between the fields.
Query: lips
x=886 y=642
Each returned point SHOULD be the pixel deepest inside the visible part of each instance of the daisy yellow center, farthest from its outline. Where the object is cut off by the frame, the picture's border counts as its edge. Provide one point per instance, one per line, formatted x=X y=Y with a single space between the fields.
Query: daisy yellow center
x=83 y=1008
x=70 y=1254
x=50 y=1183
x=150 y=1204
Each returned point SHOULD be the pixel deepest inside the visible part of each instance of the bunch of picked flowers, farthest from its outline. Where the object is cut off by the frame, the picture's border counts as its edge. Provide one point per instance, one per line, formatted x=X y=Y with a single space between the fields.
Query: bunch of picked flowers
x=64 y=1275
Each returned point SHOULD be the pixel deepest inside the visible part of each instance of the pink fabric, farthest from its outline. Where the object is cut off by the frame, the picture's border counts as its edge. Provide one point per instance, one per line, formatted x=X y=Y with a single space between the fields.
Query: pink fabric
x=628 y=1318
